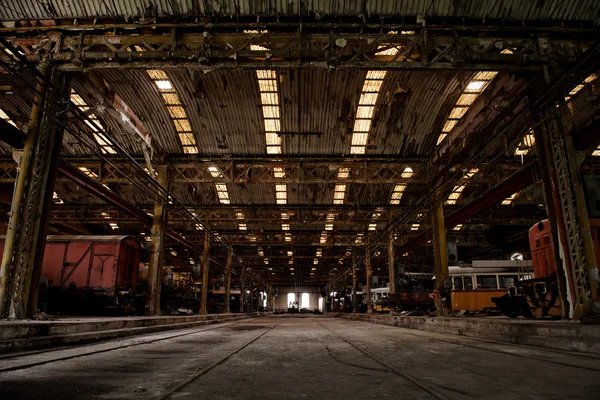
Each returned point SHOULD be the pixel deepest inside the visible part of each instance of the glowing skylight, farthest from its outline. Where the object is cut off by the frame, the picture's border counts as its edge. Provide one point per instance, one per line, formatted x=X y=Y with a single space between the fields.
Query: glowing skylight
x=458 y=189
x=93 y=124
x=6 y=118
x=509 y=200
x=526 y=144
x=176 y=110
x=579 y=87
x=88 y=172
x=56 y=198
x=366 y=110
x=222 y=192
x=474 y=88
x=339 y=193
x=267 y=84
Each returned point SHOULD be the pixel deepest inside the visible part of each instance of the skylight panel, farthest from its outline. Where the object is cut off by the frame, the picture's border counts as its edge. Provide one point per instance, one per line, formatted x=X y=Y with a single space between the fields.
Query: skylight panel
x=5 y=117
x=526 y=145
x=365 y=112
x=458 y=189
x=509 y=200
x=475 y=87
x=407 y=173
x=359 y=139
x=164 y=85
x=580 y=86
x=176 y=110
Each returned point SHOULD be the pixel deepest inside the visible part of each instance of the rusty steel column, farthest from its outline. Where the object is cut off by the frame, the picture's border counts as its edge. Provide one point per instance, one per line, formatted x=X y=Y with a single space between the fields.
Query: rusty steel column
x=572 y=222
x=157 y=249
x=228 y=281
x=251 y=293
x=557 y=226
x=205 y=274
x=441 y=257
x=368 y=274
x=32 y=199
x=242 y=289
x=353 y=286
x=391 y=267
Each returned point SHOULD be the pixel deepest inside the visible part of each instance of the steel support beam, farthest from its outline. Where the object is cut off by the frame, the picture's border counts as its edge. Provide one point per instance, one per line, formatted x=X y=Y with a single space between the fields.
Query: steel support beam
x=441 y=258
x=368 y=275
x=391 y=266
x=32 y=199
x=573 y=222
x=228 y=283
x=205 y=276
x=159 y=227
x=354 y=283
x=211 y=50
x=243 y=290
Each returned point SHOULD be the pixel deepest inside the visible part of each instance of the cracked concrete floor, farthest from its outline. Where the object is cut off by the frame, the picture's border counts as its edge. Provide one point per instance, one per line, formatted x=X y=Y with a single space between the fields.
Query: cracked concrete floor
x=303 y=358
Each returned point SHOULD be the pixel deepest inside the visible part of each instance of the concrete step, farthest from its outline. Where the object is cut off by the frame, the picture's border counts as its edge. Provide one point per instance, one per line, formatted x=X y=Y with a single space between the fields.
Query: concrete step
x=564 y=335
x=20 y=335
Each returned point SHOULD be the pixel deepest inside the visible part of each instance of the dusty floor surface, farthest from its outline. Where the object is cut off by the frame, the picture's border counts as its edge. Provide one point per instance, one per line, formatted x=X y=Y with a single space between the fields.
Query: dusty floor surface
x=299 y=358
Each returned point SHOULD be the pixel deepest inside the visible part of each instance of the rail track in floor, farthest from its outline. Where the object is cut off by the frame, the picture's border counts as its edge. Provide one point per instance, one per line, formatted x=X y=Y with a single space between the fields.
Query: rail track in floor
x=132 y=341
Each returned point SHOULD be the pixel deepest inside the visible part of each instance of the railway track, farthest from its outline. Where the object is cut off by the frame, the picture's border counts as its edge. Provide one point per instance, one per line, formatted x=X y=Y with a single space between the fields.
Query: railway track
x=130 y=342
x=203 y=371
x=421 y=385
x=517 y=346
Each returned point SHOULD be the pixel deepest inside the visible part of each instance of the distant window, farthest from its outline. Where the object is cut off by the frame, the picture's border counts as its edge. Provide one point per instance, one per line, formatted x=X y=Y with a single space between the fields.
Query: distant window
x=320 y=304
x=518 y=256
x=458 y=283
x=507 y=281
x=305 y=300
x=487 y=282
x=468 y=282
x=291 y=299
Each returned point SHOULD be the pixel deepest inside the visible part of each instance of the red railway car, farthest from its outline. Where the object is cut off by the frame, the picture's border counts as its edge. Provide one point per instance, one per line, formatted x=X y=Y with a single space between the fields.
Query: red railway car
x=539 y=296
x=87 y=274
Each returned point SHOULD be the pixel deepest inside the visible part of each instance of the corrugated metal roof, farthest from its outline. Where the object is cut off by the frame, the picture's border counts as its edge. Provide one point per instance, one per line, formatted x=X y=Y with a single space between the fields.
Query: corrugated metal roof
x=509 y=9
x=141 y=95
x=230 y=108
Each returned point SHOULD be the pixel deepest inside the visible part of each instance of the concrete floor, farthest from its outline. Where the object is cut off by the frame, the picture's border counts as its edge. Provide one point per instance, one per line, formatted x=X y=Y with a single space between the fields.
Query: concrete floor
x=299 y=358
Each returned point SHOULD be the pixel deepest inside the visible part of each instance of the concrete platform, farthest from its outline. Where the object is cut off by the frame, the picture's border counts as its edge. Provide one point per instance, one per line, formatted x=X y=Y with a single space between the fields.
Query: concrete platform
x=295 y=358
x=17 y=335
x=564 y=335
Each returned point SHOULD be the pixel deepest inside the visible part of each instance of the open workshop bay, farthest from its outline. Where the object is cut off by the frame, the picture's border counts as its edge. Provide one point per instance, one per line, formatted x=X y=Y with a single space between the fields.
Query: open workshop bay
x=299 y=358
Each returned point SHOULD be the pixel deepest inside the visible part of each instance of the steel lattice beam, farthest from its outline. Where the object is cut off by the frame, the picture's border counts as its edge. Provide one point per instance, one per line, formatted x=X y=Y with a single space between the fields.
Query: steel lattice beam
x=422 y=49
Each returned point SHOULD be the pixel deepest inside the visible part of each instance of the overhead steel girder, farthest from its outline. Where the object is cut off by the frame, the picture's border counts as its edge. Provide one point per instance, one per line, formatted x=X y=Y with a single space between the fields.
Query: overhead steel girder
x=325 y=170
x=425 y=49
x=299 y=170
x=312 y=239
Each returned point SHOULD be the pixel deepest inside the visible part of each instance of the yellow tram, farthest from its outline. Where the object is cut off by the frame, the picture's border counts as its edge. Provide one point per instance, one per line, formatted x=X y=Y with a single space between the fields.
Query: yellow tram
x=474 y=285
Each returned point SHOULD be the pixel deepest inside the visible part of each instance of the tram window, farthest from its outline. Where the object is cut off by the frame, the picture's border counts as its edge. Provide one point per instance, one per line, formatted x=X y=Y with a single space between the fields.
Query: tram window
x=507 y=281
x=468 y=283
x=458 y=283
x=487 y=282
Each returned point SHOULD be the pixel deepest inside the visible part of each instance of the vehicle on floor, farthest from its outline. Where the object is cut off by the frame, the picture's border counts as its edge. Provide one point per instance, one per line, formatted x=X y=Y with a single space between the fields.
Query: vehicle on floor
x=413 y=291
x=475 y=285
x=88 y=274
x=538 y=295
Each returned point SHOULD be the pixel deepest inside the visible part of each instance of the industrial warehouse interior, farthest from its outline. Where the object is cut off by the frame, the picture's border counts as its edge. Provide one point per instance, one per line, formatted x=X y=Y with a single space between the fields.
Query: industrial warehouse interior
x=263 y=199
